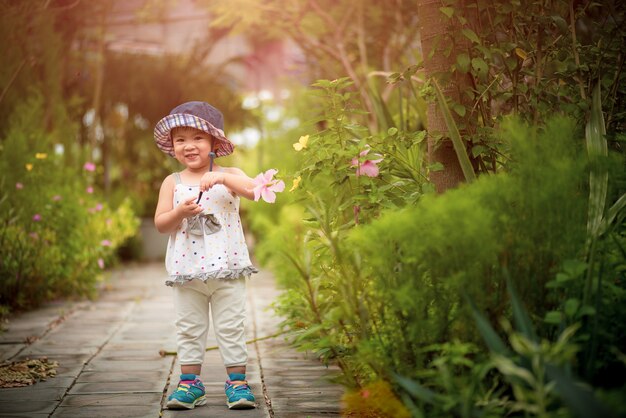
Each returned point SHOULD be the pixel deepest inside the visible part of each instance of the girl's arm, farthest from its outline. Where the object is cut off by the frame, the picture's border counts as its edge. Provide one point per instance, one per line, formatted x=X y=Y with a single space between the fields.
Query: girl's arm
x=167 y=217
x=233 y=178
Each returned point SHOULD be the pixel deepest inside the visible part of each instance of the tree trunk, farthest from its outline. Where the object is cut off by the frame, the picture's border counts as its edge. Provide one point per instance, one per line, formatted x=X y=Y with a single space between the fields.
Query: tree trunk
x=434 y=25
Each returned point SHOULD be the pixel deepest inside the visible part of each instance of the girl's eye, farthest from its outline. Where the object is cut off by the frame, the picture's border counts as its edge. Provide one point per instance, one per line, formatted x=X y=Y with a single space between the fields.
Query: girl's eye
x=198 y=138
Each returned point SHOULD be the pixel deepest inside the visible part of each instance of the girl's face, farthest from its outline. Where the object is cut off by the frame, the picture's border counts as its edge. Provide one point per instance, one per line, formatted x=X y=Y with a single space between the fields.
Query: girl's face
x=191 y=147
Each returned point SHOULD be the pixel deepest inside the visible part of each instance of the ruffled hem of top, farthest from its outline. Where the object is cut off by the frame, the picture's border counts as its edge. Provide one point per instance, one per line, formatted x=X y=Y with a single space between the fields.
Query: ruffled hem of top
x=228 y=274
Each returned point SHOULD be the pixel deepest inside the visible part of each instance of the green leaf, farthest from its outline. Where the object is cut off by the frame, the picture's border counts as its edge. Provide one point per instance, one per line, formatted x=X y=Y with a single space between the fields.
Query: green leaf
x=459 y=109
x=436 y=166
x=574 y=268
x=511 y=62
x=553 y=284
x=493 y=341
x=455 y=136
x=613 y=212
x=553 y=317
x=471 y=35
x=415 y=389
x=522 y=320
x=428 y=188
x=587 y=311
x=480 y=66
x=579 y=399
x=322 y=83
x=563 y=277
x=463 y=62
x=383 y=113
x=598 y=177
x=478 y=150
x=394 y=77
x=448 y=11
x=508 y=368
x=571 y=307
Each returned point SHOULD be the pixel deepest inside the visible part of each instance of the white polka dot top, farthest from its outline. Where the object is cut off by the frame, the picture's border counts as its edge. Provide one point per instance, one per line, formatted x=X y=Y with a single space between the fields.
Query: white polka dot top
x=210 y=245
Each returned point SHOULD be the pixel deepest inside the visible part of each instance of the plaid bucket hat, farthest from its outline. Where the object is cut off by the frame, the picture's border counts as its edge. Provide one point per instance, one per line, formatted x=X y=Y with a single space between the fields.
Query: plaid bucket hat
x=199 y=115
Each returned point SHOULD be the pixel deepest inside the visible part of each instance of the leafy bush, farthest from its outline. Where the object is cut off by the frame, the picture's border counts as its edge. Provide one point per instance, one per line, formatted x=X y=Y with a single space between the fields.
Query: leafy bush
x=386 y=297
x=57 y=233
x=424 y=259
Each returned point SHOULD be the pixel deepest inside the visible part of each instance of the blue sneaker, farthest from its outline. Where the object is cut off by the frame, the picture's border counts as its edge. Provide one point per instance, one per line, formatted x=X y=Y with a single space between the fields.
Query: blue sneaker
x=238 y=393
x=188 y=394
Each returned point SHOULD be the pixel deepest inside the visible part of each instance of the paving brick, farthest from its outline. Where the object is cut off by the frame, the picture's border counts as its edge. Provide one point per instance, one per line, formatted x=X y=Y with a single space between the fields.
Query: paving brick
x=29 y=393
x=108 y=351
x=31 y=406
x=112 y=399
x=142 y=386
x=102 y=365
x=303 y=406
x=9 y=350
x=43 y=348
x=216 y=412
x=126 y=411
x=123 y=376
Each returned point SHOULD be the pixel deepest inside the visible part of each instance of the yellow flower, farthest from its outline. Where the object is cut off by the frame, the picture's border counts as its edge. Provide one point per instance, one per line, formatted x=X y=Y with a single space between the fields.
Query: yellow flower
x=29 y=167
x=298 y=146
x=296 y=183
x=41 y=156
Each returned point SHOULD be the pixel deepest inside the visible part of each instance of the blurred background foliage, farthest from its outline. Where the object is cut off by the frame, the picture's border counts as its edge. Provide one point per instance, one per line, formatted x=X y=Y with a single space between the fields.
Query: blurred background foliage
x=501 y=297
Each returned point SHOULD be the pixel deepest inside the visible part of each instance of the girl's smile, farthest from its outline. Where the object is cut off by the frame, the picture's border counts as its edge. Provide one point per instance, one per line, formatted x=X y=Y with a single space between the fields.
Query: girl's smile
x=191 y=147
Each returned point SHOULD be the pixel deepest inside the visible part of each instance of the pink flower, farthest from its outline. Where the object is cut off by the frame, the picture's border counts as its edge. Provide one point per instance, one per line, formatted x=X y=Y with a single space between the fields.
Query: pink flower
x=33 y=235
x=368 y=167
x=89 y=166
x=265 y=186
x=19 y=186
x=105 y=243
x=56 y=198
x=37 y=217
x=89 y=190
x=96 y=208
x=101 y=263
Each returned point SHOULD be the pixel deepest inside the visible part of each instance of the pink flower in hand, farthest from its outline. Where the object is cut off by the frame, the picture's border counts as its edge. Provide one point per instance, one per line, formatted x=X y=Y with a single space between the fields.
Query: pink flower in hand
x=368 y=167
x=265 y=186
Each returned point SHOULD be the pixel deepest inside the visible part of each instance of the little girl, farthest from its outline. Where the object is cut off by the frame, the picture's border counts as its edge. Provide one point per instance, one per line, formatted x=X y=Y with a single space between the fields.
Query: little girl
x=207 y=258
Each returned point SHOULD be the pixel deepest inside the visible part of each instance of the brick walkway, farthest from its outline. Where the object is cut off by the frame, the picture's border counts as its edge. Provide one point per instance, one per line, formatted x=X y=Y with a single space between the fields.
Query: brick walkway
x=109 y=362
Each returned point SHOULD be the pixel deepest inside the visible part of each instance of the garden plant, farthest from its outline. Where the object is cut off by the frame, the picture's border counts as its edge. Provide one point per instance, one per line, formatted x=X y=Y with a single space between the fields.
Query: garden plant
x=413 y=294
x=452 y=230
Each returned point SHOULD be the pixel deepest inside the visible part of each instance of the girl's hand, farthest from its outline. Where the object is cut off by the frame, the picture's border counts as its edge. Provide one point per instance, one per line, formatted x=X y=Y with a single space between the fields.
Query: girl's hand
x=210 y=179
x=189 y=208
